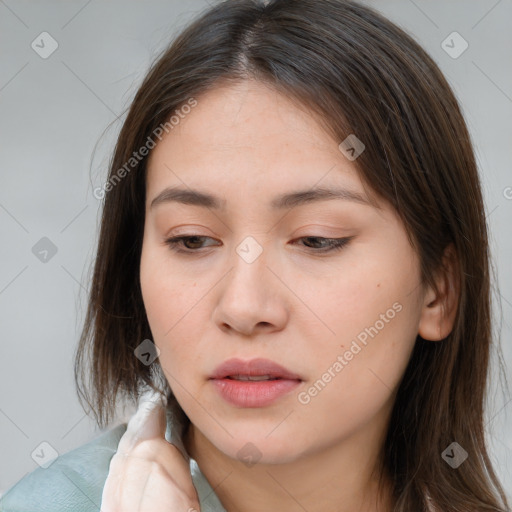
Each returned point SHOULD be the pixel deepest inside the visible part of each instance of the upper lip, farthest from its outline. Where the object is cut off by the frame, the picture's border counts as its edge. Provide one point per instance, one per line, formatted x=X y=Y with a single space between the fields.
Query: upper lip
x=251 y=368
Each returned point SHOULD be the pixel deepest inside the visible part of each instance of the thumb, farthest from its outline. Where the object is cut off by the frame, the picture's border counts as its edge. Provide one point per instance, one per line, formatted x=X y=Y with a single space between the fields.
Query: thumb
x=149 y=422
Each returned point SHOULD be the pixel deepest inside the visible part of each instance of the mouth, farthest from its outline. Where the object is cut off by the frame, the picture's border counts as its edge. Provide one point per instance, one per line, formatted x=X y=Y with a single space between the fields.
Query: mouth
x=253 y=383
x=253 y=370
x=255 y=378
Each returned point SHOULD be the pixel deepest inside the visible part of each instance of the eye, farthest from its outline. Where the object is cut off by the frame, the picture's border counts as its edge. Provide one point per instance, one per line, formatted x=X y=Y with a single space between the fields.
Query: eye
x=174 y=242
x=329 y=244
x=332 y=244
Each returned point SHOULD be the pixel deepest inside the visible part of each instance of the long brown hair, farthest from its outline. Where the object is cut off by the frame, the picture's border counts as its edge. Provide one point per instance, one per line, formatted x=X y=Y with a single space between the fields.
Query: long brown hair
x=359 y=74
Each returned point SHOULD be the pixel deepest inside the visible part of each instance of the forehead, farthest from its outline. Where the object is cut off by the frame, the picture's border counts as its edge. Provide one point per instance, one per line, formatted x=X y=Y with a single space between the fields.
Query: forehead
x=250 y=137
x=236 y=110
x=247 y=117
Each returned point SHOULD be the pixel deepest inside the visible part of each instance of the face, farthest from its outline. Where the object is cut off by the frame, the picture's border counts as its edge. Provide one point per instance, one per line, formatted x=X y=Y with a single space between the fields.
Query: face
x=255 y=280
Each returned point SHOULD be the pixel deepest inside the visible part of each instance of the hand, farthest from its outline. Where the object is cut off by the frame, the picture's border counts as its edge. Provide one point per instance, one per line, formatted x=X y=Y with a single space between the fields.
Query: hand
x=147 y=473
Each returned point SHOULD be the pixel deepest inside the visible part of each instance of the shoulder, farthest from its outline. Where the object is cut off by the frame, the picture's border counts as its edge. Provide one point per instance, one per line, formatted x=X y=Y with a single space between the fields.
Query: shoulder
x=74 y=481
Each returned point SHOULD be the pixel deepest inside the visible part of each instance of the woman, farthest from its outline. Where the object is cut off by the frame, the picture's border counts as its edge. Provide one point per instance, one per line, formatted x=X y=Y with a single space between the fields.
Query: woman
x=294 y=245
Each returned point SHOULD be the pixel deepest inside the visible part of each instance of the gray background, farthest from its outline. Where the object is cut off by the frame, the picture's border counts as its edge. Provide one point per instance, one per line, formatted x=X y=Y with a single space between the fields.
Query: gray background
x=53 y=113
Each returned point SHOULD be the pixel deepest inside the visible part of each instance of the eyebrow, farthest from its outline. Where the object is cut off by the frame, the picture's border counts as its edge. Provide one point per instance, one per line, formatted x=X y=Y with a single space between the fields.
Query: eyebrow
x=288 y=200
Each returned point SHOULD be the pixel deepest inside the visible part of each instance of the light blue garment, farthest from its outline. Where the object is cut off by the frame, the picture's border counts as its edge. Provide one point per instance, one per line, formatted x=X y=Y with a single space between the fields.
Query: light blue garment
x=74 y=481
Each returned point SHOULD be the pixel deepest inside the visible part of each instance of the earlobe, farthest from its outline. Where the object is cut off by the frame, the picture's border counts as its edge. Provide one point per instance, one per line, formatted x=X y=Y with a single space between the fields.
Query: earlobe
x=440 y=308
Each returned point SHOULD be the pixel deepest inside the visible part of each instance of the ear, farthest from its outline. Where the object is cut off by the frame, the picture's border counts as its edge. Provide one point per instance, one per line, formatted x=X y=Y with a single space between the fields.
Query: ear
x=439 y=309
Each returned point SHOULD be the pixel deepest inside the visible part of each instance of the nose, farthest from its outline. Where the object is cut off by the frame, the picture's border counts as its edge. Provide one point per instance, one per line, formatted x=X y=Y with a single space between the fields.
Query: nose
x=251 y=298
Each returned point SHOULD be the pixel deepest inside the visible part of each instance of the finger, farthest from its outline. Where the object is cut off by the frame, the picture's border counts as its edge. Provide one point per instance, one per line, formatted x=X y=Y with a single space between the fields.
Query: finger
x=148 y=422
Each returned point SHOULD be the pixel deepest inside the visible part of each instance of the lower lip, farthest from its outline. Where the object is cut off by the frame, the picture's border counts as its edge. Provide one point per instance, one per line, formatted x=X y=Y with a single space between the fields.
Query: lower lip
x=244 y=393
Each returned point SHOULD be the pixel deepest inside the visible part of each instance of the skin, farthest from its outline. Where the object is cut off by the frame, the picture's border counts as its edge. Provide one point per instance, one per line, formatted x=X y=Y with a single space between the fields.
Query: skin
x=247 y=144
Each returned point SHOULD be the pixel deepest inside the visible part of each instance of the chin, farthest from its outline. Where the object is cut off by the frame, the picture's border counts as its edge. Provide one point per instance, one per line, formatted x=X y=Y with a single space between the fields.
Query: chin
x=261 y=450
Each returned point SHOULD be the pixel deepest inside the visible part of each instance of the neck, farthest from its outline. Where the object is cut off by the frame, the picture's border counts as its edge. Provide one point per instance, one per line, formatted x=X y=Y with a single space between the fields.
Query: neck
x=343 y=478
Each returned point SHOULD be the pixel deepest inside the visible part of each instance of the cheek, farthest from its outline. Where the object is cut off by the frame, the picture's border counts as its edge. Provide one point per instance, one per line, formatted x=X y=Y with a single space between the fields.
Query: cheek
x=176 y=305
x=166 y=293
x=372 y=314
x=350 y=385
x=174 y=323
x=172 y=307
x=352 y=297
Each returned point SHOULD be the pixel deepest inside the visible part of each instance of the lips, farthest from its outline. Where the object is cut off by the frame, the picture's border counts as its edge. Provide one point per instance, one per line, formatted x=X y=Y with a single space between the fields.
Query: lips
x=254 y=383
x=243 y=370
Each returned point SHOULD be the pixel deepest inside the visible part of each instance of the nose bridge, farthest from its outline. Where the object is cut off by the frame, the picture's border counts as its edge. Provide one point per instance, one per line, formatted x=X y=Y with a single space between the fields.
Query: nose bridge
x=248 y=297
x=249 y=268
x=251 y=250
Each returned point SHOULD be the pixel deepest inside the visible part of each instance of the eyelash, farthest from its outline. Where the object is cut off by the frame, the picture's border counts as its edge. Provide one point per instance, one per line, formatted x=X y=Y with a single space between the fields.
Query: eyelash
x=336 y=244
